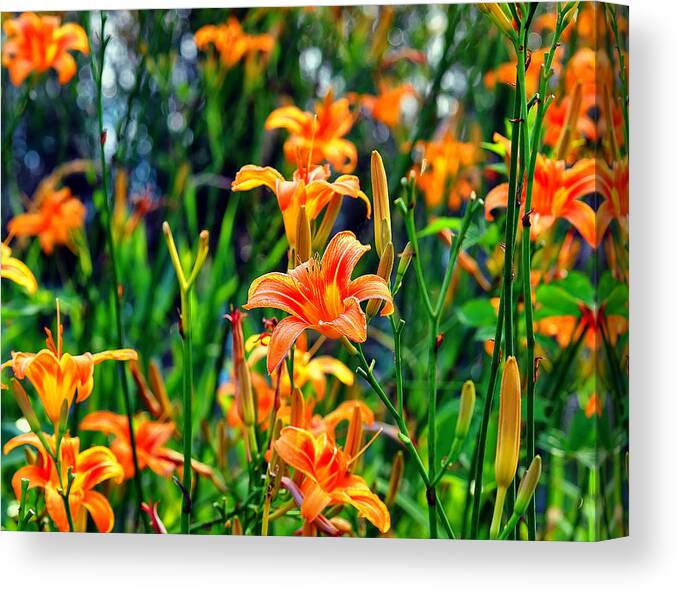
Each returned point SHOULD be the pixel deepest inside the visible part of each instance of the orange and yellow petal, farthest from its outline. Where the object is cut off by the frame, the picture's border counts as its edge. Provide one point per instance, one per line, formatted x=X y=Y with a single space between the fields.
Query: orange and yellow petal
x=282 y=339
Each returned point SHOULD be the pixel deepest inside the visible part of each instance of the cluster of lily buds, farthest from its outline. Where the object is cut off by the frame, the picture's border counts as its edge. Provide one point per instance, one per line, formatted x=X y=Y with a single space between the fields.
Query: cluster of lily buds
x=244 y=393
x=154 y=395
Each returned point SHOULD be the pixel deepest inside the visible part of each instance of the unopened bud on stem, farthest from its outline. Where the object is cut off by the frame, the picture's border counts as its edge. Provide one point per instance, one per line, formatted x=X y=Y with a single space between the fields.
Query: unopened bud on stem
x=382 y=210
x=527 y=486
x=384 y=271
x=468 y=402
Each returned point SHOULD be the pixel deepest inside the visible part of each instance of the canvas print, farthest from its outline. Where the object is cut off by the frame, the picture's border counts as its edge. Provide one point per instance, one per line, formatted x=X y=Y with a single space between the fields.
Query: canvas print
x=317 y=271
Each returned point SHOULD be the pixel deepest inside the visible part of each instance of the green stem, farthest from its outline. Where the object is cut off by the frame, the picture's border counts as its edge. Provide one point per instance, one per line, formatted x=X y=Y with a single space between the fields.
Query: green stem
x=397 y=329
x=187 y=407
x=510 y=526
x=365 y=370
x=511 y=214
x=432 y=407
x=108 y=229
x=434 y=314
x=498 y=513
x=421 y=281
x=453 y=454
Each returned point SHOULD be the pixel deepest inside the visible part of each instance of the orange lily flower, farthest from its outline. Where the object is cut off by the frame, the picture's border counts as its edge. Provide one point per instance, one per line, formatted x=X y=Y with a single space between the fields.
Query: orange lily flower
x=264 y=394
x=556 y=118
x=563 y=328
x=54 y=217
x=594 y=406
x=590 y=68
x=556 y=194
x=317 y=138
x=90 y=467
x=445 y=159
x=308 y=368
x=506 y=73
x=328 y=479
x=320 y=295
x=613 y=185
x=13 y=269
x=57 y=376
x=593 y=71
x=150 y=438
x=309 y=187
x=590 y=24
x=124 y=220
x=37 y=43
x=232 y=43
x=385 y=107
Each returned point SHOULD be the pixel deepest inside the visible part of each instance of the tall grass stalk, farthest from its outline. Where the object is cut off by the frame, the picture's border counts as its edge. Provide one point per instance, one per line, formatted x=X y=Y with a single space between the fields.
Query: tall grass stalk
x=107 y=222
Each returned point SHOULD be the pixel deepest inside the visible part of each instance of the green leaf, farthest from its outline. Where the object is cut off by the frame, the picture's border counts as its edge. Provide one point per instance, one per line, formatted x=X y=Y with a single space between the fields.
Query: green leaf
x=478 y=313
x=439 y=224
x=498 y=149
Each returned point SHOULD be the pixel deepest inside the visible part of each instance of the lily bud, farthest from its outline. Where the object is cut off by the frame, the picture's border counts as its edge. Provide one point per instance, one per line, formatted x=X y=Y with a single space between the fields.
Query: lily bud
x=571 y=120
x=405 y=260
x=25 y=406
x=244 y=393
x=147 y=397
x=298 y=409
x=497 y=15
x=382 y=210
x=236 y=526
x=508 y=434
x=527 y=486
x=394 y=480
x=203 y=249
x=354 y=436
x=159 y=390
x=468 y=402
x=384 y=271
x=303 y=245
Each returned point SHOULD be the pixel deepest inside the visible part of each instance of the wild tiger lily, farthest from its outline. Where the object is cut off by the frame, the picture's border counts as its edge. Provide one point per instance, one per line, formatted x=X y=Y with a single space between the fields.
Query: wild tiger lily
x=232 y=43
x=440 y=178
x=318 y=137
x=589 y=326
x=385 y=107
x=613 y=185
x=328 y=480
x=506 y=73
x=53 y=218
x=57 y=376
x=308 y=368
x=556 y=194
x=13 y=269
x=594 y=406
x=37 y=43
x=89 y=468
x=593 y=73
x=150 y=438
x=320 y=295
x=309 y=188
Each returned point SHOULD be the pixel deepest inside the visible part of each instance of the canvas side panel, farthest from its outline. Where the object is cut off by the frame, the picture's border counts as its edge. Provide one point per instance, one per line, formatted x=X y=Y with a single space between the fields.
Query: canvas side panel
x=611 y=271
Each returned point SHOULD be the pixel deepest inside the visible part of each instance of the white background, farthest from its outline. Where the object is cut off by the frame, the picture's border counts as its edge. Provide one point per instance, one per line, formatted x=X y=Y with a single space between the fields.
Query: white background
x=646 y=560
